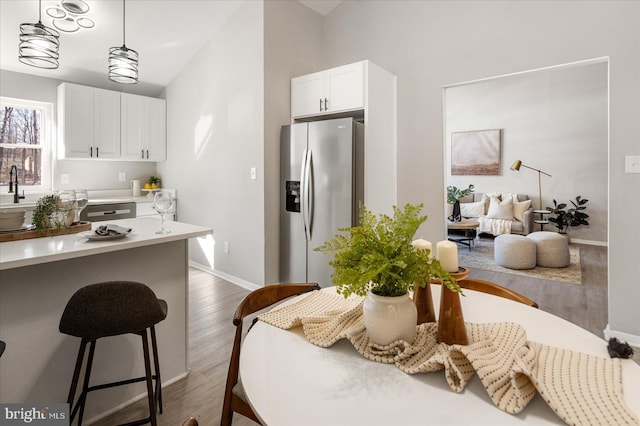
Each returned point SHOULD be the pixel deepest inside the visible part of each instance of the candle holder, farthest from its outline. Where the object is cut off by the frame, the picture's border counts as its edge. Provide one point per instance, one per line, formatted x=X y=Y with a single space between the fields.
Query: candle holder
x=451 y=328
x=424 y=304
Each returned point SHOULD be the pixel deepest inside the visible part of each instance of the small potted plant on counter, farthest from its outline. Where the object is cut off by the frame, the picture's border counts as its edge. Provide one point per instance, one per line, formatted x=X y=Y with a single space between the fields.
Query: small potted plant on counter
x=377 y=260
x=51 y=212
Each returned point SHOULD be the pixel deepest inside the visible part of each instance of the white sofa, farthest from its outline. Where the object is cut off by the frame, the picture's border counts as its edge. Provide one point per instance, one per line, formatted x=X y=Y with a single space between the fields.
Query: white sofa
x=512 y=215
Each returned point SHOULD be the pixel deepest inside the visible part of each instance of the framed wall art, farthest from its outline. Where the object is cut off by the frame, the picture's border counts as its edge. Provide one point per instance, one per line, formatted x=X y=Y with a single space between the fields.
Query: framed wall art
x=476 y=152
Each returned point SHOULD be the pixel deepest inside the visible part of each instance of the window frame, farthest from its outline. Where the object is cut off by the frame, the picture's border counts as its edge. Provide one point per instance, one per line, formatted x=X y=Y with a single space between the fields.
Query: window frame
x=47 y=138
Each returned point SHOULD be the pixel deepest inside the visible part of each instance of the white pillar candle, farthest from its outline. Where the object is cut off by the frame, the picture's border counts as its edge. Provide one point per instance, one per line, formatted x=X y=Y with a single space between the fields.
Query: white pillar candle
x=423 y=245
x=448 y=255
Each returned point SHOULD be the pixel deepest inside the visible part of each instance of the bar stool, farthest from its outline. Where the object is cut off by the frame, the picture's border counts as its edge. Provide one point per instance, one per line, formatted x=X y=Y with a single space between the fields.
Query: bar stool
x=111 y=309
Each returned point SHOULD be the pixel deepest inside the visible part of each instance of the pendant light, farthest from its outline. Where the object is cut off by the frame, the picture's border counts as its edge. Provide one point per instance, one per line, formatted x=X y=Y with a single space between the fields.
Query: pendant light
x=39 y=44
x=123 y=62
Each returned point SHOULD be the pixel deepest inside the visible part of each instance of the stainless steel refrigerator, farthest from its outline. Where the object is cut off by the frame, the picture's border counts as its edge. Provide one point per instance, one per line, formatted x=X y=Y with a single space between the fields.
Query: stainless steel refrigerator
x=321 y=184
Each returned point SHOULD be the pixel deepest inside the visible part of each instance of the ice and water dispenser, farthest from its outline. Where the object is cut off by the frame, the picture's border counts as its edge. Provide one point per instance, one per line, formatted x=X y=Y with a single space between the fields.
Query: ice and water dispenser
x=292 y=192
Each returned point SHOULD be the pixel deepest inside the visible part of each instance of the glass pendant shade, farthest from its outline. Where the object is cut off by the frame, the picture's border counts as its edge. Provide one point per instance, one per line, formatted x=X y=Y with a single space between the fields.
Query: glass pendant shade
x=123 y=62
x=123 y=65
x=39 y=46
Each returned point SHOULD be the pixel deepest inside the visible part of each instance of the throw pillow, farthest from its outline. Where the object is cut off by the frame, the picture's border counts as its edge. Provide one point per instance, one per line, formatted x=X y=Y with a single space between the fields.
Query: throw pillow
x=486 y=198
x=472 y=209
x=520 y=207
x=500 y=210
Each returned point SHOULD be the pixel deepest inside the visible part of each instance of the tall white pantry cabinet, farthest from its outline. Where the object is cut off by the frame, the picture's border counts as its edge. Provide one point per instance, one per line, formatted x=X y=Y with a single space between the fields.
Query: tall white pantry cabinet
x=101 y=124
x=367 y=92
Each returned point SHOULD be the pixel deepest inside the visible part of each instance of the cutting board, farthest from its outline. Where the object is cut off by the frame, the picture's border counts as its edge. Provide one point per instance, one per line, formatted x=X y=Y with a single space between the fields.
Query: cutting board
x=26 y=235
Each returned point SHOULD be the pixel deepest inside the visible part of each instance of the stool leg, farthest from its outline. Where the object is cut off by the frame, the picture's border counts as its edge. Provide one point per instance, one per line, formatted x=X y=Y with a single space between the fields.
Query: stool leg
x=147 y=369
x=156 y=365
x=76 y=376
x=85 y=386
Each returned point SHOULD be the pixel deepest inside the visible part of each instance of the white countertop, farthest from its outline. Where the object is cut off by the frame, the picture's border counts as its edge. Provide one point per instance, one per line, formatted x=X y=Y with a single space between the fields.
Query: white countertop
x=15 y=254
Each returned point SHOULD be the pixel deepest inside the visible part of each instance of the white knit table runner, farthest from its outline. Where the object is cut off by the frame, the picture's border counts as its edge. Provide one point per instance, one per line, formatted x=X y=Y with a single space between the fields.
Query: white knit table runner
x=580 y=388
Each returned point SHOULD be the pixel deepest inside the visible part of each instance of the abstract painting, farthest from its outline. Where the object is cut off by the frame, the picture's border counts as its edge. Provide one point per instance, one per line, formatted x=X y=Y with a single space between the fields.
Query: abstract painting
x=475 y=152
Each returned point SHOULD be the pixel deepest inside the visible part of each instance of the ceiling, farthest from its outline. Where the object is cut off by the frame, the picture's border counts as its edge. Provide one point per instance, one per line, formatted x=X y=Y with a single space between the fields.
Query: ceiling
x=166 y=34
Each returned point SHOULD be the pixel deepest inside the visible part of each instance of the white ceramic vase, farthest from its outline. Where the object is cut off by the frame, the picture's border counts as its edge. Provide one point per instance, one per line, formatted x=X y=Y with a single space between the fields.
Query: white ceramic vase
x=390 y=318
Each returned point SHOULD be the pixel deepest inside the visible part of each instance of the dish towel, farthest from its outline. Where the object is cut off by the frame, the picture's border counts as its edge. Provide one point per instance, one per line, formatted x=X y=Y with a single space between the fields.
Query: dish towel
x=111 y=229
x=580 y=388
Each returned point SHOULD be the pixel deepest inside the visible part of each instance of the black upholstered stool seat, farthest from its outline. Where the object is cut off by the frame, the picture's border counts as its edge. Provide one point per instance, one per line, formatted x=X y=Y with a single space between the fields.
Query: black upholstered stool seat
x=111 y=309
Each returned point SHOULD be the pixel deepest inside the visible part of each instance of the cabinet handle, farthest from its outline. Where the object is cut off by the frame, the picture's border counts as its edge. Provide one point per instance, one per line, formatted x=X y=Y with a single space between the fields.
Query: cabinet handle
x=97 y=151
x=326 y=108
x=147 y=154
x=320 y=104
x=91 y=151
x=142 y=154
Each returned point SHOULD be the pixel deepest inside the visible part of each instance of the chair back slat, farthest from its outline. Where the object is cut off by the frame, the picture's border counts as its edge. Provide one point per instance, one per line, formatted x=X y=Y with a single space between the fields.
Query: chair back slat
x=496 y=290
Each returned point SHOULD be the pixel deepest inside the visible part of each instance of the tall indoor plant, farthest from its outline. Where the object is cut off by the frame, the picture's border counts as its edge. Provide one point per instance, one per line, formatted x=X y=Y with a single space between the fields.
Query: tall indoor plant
x=376 y=259
x=572 y=216
x=453 y=197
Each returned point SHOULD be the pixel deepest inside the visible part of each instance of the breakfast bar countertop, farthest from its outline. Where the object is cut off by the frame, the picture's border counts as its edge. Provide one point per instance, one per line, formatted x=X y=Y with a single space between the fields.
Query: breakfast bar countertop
x=17 y=254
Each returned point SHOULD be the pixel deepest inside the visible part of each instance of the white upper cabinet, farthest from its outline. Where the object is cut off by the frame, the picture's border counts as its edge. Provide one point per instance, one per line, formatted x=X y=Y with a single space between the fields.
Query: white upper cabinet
x=144 y=127
x=88 y=122
x=106 y=125
x=330 y=91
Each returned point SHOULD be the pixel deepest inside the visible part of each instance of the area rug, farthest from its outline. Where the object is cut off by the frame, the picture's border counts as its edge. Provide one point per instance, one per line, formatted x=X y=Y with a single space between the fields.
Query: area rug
x=481 y=257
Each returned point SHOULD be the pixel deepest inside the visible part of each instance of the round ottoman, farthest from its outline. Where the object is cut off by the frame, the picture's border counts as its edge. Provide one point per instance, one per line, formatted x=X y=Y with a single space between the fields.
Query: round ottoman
x=514 y=251
x=552 y=248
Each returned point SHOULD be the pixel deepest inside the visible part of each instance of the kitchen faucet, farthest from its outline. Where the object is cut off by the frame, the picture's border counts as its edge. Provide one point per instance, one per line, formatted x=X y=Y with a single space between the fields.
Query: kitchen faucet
x=13 y=180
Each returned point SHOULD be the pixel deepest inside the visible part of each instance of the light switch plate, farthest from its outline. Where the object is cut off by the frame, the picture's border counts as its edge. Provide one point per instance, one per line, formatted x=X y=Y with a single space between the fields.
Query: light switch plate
x=253 y=173
x=122 y=176
x=632 y=164
x=64 y=178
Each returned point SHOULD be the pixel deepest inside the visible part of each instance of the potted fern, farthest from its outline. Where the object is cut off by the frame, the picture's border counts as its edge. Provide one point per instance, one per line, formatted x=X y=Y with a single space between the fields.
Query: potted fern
x=376 y=259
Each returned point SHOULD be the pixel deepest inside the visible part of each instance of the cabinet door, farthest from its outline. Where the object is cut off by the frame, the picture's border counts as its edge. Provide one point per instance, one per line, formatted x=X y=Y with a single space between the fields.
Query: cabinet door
x=344 y=87
x=144 y=135
x=75 y=118
x=307 y=94
x=132 y=146
x=106 y=124
x=156 y=117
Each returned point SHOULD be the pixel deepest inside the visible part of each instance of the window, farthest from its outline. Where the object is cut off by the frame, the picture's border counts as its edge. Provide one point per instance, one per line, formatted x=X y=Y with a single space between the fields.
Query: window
x=26 y=141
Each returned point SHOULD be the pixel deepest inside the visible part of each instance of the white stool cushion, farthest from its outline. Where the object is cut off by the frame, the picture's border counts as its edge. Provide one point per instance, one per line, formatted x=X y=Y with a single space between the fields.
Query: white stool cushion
x=552 y=248
x=514 y=251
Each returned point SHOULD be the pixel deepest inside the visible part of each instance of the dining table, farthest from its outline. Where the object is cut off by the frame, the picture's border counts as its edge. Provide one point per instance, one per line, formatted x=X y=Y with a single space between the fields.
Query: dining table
x=289 y=381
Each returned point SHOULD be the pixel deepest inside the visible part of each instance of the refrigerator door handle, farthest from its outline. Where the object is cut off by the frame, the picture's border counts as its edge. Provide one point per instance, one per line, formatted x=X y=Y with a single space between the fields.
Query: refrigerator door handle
x=304 y=193
x=310 y=194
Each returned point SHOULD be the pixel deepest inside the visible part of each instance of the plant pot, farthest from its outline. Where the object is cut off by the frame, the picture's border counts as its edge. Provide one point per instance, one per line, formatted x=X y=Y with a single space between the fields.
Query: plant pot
x=456 y=216
x=389 y=318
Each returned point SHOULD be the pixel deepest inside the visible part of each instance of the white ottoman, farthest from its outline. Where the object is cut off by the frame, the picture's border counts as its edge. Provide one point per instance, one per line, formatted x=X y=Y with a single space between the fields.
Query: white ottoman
x=552 y=248
x=514 y=251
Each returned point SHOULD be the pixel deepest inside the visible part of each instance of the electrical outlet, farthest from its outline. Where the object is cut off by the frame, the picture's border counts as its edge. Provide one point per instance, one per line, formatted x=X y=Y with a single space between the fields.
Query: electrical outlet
x=253 y=173
x=632 y=164
x=226 y=246
x=122 y=176
x=64 y=178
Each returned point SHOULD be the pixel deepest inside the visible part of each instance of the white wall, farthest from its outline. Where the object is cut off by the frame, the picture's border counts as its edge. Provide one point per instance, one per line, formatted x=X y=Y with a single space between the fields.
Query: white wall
x=555 y=120
x=91 y=175
x=432 y=44
x=293 y=42
x=215 y=135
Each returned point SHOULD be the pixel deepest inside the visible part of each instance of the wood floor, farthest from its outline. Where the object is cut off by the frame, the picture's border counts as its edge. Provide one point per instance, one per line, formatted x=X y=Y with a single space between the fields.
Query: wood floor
x=213 y=301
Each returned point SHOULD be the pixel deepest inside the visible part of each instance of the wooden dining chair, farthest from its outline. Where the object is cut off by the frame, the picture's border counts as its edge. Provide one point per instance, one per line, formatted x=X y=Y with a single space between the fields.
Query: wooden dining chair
x=255 y=301
x=495 y=289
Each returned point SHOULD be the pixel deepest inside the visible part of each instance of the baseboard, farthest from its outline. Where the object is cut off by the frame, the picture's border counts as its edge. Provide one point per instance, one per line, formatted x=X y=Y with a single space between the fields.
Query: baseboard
x=631 y=339
x=589 y=242
x=231 y=278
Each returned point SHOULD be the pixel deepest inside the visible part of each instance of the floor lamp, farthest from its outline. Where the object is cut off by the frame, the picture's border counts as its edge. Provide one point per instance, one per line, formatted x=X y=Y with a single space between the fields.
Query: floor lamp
x=516 y=166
